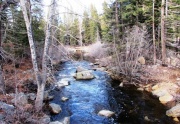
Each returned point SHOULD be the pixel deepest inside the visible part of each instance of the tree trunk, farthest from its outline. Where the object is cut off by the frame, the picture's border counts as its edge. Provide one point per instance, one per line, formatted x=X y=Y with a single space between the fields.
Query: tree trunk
x=40 y=93
x=166 y=8
x=38 y=102
x=154 y=40
x=117 y=19
x=162 y=33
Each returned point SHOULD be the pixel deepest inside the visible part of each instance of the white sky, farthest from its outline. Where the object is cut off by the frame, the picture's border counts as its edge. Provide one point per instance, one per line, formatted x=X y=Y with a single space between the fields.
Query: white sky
x=77 y=6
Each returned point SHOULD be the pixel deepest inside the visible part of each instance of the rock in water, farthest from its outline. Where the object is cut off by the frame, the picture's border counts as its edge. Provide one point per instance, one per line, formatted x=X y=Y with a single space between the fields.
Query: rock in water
x=106 y=113
x=64 y=99
x=84 y=75
x=174 y=111
x=62 y=83
x=55 y=108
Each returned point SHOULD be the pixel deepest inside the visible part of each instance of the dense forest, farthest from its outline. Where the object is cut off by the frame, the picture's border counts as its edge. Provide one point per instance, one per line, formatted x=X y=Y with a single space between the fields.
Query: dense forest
x=129 y=37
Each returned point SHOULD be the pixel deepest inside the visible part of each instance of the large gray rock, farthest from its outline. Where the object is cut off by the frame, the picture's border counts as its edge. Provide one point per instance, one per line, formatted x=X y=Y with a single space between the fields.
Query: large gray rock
x=106 y=113
x=20 y=99
x=174 y=111
x=55 y=108
x=84 y=75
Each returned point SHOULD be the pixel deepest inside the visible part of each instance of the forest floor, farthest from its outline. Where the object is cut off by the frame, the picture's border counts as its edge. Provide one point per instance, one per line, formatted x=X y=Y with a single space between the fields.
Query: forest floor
x=16 y=78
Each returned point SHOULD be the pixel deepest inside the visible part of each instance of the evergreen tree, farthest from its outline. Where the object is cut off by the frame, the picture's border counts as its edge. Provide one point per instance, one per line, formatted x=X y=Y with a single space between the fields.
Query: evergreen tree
x=94 y=24
x=106 y=23
x=86 y=27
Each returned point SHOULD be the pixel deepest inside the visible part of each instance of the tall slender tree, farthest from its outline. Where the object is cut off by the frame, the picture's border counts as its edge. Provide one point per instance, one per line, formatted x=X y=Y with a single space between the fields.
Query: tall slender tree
x=154 y=40
x=40 y=79
x=163 y=45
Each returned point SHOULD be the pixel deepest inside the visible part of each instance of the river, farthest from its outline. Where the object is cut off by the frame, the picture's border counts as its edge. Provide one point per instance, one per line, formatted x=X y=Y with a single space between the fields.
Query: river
x=88 y=97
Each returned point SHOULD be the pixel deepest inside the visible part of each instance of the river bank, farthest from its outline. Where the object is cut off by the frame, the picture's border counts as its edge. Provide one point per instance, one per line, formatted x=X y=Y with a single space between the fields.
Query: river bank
x=161 y=82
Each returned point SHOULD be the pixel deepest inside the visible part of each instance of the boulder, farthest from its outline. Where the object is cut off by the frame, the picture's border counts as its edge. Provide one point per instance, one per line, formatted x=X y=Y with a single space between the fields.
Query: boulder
x=64 y=99
x=20 y=99
x=106 y=113
x=160 y=92
x=166 y=98
x=84 y=75
x=141 y=60
x=174 y=111
x=80 y=69
x=56 y=122
x=55 y=108
x=62 y=83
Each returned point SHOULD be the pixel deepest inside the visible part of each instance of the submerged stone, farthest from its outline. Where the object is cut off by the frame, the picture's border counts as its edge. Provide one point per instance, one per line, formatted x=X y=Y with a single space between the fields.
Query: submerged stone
x=106 y=113
x=55 y=108
x=64 y=99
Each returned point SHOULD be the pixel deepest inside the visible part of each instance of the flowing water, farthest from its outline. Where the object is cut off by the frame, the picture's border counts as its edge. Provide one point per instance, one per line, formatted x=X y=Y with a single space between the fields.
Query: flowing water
x=88 y=97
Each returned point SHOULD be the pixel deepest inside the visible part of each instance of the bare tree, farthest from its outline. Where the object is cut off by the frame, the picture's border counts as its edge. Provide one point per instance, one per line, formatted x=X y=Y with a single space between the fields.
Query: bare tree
x=41 y=80
x=41 y=86
x=32 y=48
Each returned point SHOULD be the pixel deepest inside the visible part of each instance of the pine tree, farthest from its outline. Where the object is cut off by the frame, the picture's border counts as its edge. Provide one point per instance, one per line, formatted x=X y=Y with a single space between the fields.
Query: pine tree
x=94 y=23
x=86 y=28
x=106 y=23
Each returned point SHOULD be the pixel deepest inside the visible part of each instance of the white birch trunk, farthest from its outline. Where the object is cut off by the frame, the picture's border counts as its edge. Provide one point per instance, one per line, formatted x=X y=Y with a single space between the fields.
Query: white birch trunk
x=33 y=54
x=40 y=92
